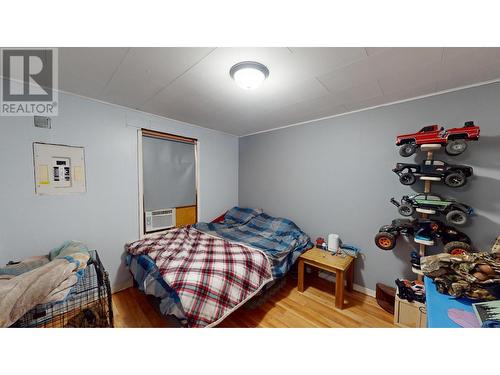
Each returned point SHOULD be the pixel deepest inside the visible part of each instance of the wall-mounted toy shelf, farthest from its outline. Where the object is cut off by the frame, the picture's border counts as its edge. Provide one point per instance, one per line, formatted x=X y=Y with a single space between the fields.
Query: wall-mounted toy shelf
x=427 y=178
x=424 y=242
x=417 y=271
x=424 y=213
x=425 y=230
x=430 y=147
x=426 y=210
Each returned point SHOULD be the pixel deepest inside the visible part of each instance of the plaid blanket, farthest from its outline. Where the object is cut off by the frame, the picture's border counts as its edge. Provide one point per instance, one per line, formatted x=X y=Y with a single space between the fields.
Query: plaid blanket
x=281 y=239
x=211 y=276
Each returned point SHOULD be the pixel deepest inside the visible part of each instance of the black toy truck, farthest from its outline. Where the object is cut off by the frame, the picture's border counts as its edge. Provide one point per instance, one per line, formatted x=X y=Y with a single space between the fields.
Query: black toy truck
x=451 y=174
x=454 y=241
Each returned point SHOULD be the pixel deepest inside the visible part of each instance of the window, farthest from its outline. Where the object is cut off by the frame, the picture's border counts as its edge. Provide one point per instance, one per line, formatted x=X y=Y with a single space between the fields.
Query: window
x=427 y=128
x=168 y=194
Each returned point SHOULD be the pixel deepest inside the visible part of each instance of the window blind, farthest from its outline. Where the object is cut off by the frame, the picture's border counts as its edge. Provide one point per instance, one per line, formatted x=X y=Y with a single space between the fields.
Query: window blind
x=169 y=173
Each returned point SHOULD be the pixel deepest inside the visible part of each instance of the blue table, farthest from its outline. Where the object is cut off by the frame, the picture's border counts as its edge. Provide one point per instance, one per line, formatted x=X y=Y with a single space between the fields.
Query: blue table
x=438 y=304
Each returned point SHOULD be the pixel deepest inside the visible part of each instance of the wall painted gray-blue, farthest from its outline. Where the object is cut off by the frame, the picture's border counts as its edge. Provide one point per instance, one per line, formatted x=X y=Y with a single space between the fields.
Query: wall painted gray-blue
x=106 y=217
x=334 y=175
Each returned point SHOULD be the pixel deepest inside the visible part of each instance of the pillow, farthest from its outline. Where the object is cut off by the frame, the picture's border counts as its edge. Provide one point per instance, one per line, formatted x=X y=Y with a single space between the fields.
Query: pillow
x=239 y=215
x=277 y=225
x=280 y=229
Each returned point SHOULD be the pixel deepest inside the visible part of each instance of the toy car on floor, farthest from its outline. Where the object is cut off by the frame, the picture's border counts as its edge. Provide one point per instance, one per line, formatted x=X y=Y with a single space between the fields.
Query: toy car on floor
x=454 y=241
x=456 y=213
x=453 y=175
x=411 y=290
x=454 y=139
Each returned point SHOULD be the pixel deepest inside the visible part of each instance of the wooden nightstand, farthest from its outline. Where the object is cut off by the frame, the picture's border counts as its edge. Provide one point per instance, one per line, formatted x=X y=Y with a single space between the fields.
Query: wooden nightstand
x=343 y=267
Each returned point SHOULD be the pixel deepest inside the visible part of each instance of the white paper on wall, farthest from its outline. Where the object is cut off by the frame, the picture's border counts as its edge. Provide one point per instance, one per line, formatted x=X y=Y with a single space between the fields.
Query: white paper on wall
x=59 y=169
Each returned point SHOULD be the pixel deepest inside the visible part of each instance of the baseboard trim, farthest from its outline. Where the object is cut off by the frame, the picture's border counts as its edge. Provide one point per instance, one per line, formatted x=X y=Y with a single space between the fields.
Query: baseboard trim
x=364 y=290
x=121 y=286
x=358 y=288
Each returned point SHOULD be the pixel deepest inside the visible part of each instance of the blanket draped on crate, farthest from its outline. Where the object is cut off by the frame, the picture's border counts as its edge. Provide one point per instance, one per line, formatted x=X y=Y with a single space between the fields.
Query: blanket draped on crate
x=211 y=276
x=48 y=283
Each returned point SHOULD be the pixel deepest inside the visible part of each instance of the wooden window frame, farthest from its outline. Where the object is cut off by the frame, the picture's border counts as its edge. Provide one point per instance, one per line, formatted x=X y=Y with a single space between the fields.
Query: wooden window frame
x=167 y=136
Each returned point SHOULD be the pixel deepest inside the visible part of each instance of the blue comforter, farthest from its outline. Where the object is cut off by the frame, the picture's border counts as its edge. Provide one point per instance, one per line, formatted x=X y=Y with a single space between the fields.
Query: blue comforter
x=279 y=238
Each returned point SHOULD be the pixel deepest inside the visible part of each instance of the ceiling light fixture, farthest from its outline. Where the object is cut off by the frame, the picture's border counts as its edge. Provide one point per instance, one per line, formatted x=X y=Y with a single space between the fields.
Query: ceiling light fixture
x=249 y=74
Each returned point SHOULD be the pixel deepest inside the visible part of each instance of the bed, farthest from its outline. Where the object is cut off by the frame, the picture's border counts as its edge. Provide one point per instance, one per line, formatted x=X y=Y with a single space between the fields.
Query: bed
x=202 y=273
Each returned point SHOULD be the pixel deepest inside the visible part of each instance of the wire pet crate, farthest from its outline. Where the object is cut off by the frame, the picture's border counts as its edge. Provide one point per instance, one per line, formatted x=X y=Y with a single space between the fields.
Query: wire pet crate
x=88 y=305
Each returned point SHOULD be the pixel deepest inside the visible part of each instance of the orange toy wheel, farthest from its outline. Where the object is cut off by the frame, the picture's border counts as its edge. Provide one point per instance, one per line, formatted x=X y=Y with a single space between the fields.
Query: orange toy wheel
x=385 y=240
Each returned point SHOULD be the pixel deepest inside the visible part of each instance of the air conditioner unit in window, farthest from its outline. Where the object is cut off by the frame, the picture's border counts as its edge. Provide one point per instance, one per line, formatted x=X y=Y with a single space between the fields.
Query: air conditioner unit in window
x=160 y=219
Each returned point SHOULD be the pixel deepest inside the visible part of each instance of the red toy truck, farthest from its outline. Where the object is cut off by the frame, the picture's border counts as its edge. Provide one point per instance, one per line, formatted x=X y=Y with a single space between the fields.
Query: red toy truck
x=453 y=139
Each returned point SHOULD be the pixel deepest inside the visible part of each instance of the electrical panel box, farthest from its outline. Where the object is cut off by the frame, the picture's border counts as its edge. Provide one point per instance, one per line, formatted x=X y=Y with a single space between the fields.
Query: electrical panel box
x=59 y=169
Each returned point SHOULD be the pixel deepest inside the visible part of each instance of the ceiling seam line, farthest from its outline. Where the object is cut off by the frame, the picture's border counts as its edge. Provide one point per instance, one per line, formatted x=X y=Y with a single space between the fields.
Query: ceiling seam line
x=116 y=70
x=179 y=76
x=323 y=85
x=380 y=87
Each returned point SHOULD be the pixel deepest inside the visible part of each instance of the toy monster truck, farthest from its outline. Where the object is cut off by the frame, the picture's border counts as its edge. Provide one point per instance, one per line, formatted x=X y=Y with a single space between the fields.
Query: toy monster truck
x=454 y=241
x=411 y=290
x=453 y=139
x=387 y=235
x=451 y=174
x=456 y=213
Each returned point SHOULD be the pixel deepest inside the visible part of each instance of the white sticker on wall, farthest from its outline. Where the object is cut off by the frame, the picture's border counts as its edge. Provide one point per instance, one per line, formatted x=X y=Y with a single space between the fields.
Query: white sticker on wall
x=59 y=169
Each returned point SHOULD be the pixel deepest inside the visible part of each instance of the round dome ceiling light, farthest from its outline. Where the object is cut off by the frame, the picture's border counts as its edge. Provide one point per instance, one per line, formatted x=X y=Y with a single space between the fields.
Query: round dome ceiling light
x=249 y=74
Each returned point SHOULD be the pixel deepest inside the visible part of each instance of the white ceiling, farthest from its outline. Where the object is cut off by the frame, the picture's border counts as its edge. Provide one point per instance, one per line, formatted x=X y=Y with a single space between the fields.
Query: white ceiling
x=193 y=84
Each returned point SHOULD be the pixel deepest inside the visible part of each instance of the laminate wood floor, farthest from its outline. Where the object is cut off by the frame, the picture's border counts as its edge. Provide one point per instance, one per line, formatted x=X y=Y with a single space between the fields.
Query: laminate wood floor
x=286 y=308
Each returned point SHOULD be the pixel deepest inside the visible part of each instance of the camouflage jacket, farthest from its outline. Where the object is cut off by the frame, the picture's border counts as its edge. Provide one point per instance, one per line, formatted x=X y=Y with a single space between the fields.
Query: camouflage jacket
x=474 y=275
